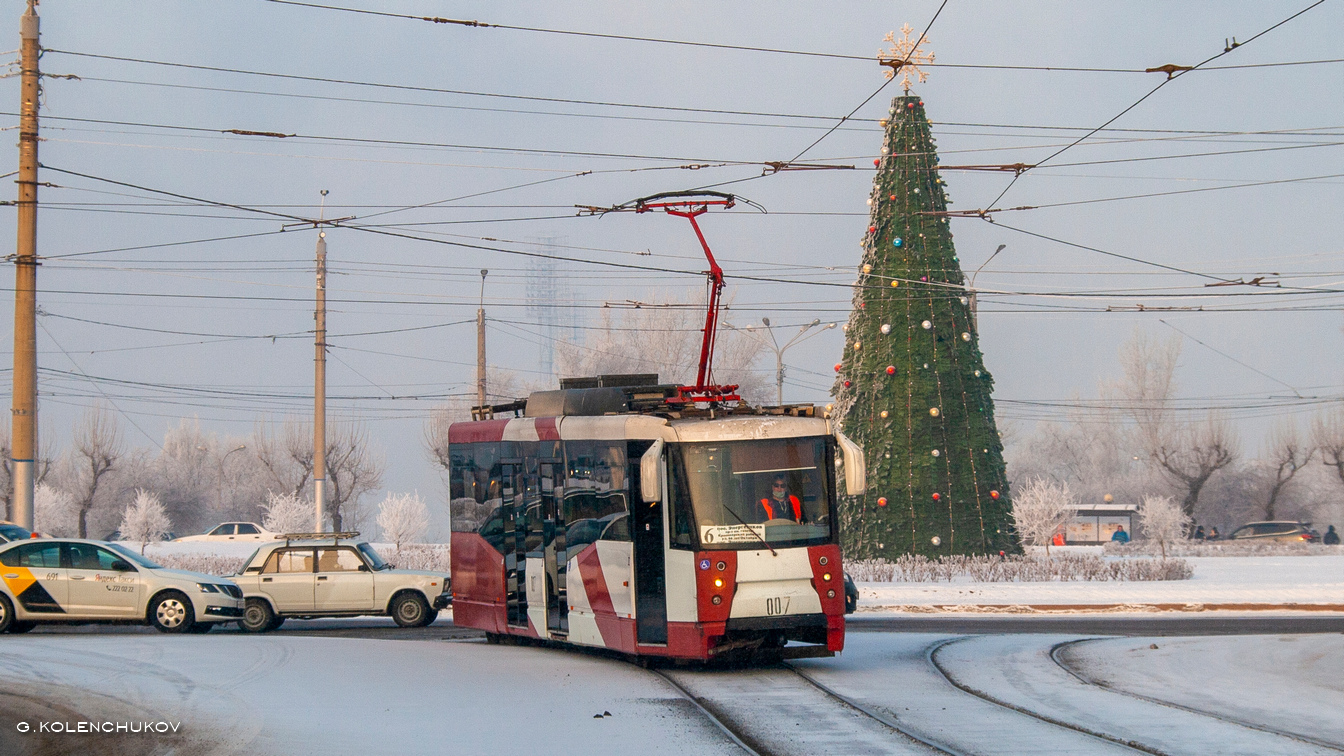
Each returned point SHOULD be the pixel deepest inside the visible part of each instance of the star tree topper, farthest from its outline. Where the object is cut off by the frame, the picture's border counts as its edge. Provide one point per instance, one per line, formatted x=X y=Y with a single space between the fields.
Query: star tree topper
x=905 y=56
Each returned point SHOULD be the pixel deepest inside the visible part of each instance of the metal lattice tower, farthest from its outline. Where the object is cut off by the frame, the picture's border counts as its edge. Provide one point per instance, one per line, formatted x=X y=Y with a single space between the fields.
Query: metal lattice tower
x=549 y=291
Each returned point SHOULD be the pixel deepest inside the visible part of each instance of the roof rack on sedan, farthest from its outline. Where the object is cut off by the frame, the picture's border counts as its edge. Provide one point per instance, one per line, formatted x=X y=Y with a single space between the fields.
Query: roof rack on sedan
x=347 y=535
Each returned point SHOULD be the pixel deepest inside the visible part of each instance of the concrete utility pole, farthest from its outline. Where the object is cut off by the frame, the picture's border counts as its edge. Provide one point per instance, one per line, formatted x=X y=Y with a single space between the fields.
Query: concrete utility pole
x=320 y=385
x=24 y=429
x=480 y=345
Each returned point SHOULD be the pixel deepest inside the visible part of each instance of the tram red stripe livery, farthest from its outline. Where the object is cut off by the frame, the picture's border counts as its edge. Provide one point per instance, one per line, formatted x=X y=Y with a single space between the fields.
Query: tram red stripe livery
x=594 y=582
x=482 y=431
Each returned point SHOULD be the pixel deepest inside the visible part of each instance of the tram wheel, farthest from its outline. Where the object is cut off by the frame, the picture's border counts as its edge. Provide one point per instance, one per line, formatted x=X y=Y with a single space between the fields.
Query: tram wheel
x=492 y=638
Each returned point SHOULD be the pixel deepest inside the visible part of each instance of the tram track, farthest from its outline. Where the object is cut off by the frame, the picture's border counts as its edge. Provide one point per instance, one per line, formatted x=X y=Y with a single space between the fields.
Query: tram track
x=931 y=654
x=779 y=711
x=1056 y=649
x=868 y=711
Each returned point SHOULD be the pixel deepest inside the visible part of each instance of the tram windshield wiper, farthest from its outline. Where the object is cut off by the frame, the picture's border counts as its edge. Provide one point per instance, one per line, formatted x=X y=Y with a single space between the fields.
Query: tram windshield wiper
x=760 y=538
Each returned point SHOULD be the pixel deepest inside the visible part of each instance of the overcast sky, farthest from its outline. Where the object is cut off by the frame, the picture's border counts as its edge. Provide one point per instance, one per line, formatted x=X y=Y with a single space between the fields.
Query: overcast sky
x=408 y=143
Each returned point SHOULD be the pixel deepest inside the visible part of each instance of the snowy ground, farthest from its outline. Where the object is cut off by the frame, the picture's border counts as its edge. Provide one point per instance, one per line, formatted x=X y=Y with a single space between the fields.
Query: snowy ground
x=1232 y=582
x=898 y=693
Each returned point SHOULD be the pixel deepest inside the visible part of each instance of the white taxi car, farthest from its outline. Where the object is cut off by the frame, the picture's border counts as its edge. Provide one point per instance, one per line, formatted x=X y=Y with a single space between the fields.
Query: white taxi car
x=233 y=531
x=311 y=575
x=76 y=581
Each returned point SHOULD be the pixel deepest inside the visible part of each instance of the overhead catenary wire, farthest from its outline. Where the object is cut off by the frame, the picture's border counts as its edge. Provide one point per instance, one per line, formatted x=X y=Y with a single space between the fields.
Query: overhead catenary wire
x=1170 y=78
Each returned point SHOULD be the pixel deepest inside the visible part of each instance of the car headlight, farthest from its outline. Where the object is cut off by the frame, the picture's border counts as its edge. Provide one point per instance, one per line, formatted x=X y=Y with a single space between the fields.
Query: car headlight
x=208 y=588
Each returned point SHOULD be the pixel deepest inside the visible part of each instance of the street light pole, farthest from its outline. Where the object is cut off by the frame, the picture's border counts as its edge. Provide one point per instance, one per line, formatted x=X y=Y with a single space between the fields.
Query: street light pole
x=779 y=350
x=975 y=318
x=219 y=493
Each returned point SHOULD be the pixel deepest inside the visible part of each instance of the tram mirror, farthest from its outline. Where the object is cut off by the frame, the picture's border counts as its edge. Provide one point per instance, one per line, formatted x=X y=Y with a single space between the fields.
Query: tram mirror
x=651 y=473
x=851 y=456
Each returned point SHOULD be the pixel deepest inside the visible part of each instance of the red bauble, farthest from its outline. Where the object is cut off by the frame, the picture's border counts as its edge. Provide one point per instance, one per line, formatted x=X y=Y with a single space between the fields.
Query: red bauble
x=910 y=105
x=877 y=161
x=893 y=198
x=936 y=497
x=872 y=229
x=847 y=384
x=891 y=370
x=881 y=501
x=993 y=494
x=838 y=366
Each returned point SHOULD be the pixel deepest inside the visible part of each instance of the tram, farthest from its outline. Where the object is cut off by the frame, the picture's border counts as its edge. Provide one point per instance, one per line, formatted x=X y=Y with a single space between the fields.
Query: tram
x=621 y=515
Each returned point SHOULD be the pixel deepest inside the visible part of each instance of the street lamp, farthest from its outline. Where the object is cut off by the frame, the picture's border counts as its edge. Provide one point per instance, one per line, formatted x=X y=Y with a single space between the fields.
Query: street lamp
x=773 y=343
x=219 y=502
x=975 y=320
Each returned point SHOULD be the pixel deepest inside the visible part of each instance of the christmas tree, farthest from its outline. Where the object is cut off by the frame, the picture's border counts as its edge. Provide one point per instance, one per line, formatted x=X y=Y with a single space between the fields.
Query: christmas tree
x=912 y=388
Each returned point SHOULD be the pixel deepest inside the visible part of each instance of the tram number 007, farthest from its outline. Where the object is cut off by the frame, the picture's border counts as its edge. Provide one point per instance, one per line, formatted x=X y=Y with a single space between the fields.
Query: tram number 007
x=777 y=605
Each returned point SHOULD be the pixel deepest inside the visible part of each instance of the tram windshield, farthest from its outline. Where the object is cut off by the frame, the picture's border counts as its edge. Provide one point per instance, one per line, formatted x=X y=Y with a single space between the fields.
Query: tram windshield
x=745 y=495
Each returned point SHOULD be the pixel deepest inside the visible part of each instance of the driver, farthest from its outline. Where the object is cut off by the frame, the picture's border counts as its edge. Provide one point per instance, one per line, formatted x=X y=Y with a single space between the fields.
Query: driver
x=780 y=504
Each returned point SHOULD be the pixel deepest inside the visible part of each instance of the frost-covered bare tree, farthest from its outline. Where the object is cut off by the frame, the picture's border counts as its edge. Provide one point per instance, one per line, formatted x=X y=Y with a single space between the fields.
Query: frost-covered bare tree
x=1162 y=520
x=1190 y=453
x=664 y=337
x=145 y=520
x=353 y=469
x=1285 y=456
x=96 y=449
x=1187 y=453
x=403 y=518
x=54 y=512
x=1040 y=508
x=1327 y=434
x=286 y=513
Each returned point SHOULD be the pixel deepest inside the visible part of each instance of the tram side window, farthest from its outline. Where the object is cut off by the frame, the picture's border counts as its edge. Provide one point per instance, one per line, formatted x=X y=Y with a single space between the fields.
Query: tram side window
x=475 y=483
x=683 y=519
x=597 y=493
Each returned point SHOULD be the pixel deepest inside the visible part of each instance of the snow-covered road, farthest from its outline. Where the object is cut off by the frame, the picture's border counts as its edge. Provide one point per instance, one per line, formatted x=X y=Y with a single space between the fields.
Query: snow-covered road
x=888 y=693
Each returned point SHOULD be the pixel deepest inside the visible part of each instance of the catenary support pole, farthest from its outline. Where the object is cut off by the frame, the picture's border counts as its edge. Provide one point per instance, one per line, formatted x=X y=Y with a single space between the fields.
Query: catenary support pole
x=320 y=388
x=23 y=448
x=480 y=345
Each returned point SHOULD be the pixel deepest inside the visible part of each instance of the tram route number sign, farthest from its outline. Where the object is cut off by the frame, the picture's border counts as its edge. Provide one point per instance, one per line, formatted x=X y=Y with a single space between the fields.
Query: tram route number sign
x=711 y=534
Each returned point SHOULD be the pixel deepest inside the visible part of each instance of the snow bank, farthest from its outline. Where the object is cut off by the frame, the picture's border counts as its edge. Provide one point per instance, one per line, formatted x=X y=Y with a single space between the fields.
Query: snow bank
x=1317 y=582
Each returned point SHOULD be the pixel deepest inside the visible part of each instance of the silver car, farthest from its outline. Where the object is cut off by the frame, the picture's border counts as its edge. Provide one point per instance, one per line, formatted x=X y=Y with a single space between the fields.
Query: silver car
x=74 y=581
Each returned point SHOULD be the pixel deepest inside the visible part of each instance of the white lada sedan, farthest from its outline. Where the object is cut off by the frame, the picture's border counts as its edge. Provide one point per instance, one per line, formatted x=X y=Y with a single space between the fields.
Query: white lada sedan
x=308 y=577
x=71 y=581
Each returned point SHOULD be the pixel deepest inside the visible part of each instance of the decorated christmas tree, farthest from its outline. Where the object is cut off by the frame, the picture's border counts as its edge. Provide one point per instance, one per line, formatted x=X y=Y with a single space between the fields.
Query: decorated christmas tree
x=912 y=388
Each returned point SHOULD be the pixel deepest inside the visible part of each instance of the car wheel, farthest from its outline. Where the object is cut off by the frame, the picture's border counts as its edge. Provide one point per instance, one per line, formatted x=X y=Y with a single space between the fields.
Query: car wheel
x=277 y=622
x=258 y=617
x=6 y=613
x=201 y=628
x=410 y=610
x=171 y=612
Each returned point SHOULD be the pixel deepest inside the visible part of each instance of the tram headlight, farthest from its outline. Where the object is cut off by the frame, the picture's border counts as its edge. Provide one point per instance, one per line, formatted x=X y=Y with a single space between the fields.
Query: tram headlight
x=718 y=583
x=826 y=576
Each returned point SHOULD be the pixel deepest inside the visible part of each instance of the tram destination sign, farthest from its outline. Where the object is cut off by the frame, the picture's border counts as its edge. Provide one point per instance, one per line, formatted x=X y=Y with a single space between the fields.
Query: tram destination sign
x=710 y=534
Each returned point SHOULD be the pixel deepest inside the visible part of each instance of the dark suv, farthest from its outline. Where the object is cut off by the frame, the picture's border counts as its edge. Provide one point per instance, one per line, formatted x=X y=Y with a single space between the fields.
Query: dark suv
x=11 y=532
x=1284 y=531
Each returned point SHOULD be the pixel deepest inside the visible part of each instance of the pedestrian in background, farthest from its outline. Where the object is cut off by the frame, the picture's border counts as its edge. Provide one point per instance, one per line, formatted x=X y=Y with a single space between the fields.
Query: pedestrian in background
x=1331 y=537
x=1120 y=536
x=1199 y=533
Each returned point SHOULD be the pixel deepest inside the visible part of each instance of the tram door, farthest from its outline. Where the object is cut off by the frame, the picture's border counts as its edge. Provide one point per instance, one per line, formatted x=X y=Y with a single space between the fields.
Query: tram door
x=650 y=558
x=555 y=550
x=512 y=486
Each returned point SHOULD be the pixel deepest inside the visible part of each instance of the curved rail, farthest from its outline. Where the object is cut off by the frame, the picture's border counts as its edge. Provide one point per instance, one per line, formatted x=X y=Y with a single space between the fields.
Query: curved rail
x=868 y=711
x=931 y=654
x=1058 y=647
x=732 y=735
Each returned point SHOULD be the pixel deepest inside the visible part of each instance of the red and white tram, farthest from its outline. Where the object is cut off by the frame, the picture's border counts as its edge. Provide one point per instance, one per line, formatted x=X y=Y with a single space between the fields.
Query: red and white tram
x=621 y=517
